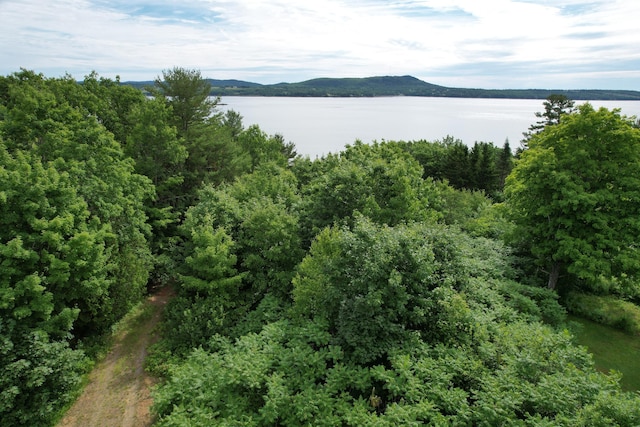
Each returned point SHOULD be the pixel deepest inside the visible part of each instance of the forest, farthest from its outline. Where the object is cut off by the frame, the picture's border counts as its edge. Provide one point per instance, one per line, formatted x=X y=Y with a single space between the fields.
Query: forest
x=392 y=283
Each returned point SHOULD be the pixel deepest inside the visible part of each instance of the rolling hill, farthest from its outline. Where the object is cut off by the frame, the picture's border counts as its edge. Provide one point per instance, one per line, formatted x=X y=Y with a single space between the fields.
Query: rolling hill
x=395 y=86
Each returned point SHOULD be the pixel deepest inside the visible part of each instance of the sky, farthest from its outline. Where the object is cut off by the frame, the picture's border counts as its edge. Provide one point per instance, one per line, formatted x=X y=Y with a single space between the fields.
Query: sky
x=501 y=44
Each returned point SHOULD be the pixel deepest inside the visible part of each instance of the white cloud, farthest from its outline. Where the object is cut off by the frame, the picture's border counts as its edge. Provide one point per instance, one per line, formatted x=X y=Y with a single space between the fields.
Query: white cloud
x=498 y=43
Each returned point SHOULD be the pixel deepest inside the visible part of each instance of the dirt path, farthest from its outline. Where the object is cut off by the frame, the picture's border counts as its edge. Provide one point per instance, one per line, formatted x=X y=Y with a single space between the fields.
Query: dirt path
x=118 y=392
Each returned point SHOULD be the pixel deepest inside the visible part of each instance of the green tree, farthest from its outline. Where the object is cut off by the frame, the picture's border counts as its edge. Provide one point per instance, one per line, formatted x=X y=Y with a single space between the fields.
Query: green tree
x=504 y=164
x=263 y=148
x=242 y=243
x=458 y=170
x=483 y=163
x=376 y=287
x=188 y=94
x=454 y=342
x=233 y=121
x=381 y=181
x=53 y=267
x=53 y=252
x=154 y=145
x=109 y=100
x=39 y=119
x=575 y=195
x=259 y=212
x=158 y=154
x=431 y=156
x=555 y=106
x=215 y=152
x=39 y=375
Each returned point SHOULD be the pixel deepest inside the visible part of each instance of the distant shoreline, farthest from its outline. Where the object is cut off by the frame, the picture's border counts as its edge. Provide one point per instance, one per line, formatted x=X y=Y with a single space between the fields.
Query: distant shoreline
x=382 y=86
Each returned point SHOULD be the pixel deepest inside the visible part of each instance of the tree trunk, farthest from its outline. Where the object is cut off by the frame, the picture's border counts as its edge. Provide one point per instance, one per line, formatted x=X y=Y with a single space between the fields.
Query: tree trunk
x=554 y=275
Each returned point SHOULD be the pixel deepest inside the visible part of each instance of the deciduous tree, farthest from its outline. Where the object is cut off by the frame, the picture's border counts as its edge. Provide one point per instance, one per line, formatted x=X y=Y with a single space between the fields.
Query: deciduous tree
x=575 y=194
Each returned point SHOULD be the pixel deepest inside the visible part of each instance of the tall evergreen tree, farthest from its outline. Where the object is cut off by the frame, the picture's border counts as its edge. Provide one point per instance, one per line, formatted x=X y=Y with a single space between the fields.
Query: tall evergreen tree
x=504 y=164
x=555 y=106
x=188 y=94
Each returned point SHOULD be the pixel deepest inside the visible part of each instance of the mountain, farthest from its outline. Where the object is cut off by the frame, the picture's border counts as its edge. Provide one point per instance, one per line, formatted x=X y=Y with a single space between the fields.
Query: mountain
x=232 y=83
x=397 y=86
x=215 y=84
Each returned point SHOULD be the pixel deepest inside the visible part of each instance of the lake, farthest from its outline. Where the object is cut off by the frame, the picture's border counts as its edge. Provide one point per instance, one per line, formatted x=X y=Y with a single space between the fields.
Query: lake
x=318 y=126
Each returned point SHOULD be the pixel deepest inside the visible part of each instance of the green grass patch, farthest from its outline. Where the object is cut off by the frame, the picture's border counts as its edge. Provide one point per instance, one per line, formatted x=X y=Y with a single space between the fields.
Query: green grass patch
x=607 y=310
x=97 y=347
x=139 y=314
x=612 y=350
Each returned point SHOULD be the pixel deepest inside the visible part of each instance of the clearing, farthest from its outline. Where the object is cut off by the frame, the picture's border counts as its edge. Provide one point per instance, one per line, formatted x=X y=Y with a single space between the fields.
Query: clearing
x=611 y=349
x=118 y=392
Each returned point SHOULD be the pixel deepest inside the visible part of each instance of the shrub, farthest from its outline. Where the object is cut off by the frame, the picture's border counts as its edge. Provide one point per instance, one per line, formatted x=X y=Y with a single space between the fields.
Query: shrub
x=608 y=310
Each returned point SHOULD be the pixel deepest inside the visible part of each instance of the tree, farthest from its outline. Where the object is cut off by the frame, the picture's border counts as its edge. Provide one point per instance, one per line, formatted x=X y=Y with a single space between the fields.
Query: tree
x=575 y=196
x=377 y=286
x=242 y=243
x=188 y=94
x=263 y=148
x=53 y=267
x=483 y=164
x=109 y=100
x=410 y=325
x=555 y=107
x=381 y=181
x=505 y=164
x=457 y=169
x=259 y=212
x=431 y=156
x=233 y=121
x=159 y=155
x=46 y=119
x=213 y=142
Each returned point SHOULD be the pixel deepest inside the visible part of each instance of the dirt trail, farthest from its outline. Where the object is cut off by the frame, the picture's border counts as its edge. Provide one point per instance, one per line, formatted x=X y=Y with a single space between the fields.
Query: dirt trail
x=119 y=390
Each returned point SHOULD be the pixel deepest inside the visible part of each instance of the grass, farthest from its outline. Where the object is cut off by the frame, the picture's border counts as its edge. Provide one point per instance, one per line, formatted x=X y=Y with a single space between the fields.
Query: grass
x=607 y=310
x=117 y=391
x=612 y=349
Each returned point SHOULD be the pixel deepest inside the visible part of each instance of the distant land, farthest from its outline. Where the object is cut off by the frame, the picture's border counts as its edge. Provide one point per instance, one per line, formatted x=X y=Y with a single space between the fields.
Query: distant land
x=396 y=86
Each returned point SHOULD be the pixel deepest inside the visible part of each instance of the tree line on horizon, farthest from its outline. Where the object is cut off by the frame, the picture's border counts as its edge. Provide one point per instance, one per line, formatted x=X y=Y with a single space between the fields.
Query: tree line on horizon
x=394 y=86
x=391 y=283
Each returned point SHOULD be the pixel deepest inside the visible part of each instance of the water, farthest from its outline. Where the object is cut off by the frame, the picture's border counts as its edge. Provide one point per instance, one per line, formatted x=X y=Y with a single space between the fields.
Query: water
x=318 y=126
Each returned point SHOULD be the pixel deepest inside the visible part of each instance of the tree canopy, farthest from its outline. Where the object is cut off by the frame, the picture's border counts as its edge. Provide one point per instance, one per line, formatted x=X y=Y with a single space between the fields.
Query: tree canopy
x=575 y=196
x=375 y=286
x=188 y=94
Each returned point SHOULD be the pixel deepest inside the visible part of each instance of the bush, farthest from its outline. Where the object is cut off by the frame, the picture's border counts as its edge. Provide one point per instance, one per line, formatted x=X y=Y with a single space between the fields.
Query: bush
x=38 y=377
x=608 y=310
x=539 y=302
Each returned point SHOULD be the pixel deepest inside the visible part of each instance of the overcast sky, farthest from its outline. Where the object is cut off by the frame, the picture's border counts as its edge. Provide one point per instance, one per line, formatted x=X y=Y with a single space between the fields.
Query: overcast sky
x=559 y=44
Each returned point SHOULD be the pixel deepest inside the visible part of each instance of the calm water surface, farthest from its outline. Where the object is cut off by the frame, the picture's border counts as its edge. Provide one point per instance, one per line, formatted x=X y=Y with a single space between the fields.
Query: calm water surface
x=318 y=126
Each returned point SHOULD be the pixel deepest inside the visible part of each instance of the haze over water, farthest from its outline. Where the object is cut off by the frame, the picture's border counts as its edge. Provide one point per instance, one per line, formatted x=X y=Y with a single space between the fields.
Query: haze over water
x=318 y=126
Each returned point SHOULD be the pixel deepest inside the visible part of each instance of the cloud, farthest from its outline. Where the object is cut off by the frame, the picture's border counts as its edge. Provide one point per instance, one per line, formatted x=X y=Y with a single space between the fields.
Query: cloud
x=497 y=43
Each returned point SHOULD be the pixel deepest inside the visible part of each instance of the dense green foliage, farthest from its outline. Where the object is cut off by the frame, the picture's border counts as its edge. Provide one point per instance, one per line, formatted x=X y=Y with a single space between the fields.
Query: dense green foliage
x=480 y=167
x=575 y=196
x=95 y=180
x=355 y=290
x=75 y=255
x=388 y=327
x=370 y=287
